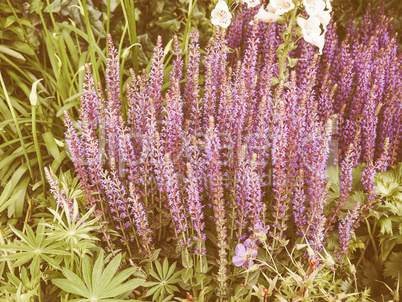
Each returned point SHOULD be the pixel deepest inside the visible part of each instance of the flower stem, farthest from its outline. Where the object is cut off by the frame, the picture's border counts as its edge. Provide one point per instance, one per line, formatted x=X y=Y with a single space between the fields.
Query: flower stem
x=287 y=49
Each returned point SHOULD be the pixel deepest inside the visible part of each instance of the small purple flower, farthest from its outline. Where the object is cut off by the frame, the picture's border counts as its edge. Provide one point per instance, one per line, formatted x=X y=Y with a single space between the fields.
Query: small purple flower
x=245 y=253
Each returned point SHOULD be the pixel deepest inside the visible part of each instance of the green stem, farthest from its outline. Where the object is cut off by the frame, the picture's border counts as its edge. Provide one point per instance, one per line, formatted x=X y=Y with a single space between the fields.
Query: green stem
x=372 y=239
x=184 y=45
x=126 y=240
x=72 y=254
x=286 y=49
x=160 y=216
x=201 y=265
x=39 y=292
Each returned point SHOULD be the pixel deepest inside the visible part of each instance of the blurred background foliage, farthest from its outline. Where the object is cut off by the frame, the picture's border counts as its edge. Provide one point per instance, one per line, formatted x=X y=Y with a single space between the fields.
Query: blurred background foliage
x=355 y=10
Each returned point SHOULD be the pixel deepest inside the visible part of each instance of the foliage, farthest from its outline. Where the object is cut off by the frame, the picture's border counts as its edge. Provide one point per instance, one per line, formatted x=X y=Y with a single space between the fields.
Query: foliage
x=46 y=255
x=346 y=11
x=383 y=235
x=98 y=283
x=166 y=276
x=52 y=41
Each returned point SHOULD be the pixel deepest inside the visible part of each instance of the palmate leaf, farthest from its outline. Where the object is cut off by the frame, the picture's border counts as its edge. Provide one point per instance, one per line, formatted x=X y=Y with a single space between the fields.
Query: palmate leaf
x=33 y=246
x=72 y=285
x=165 y=276
x=99 y=283
x=393 y=267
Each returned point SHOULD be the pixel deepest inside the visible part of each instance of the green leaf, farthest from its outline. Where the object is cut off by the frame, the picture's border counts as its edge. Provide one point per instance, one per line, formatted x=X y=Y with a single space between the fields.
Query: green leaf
x=186 y=274
x=97 y=271
x=386 y=226
x=70 y=287
x=159 y=268
x=151 y=291
x=155 y=255
x=108 y=274
x=126 y=287
x=52 y=146
x=164 y=274
x=240 y=291
x=393 y=267
x=87 y=272
x=23 y=47
x=73 y=278
x=23 y=258
x=4 y=49
x=51 y=261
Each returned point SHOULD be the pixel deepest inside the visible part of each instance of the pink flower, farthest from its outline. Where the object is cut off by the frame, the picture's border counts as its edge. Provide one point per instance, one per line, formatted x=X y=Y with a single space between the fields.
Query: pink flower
x=245 y=253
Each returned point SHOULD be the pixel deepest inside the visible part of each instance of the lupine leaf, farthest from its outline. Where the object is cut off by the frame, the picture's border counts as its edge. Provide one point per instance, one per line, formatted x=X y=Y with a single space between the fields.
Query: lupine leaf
x=108 y=274
x=71 y=287
x=159 y=269
x=97 y=271
x=124 y=288
x=87 y=272
x=119 y=278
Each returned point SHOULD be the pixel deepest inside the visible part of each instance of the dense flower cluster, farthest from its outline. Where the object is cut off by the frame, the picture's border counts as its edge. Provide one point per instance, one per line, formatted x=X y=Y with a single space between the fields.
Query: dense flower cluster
x=243 y=155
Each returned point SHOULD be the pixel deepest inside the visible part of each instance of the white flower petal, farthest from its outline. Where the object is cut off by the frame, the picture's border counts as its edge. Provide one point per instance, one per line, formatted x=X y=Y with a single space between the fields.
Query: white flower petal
x=312 y=31
x=314 y=7
x=319 y=41
x=265 y=16
x=222 y=5
x=252 y=3
x=325 y=17
x=221 y=15
x=282 y=6
x=312 y=26
x=301 y=22
x=270 y=9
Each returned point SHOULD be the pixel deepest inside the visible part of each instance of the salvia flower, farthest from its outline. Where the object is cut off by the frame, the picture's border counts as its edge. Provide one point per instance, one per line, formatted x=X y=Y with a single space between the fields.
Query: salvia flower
x=346 y=228
x=245 y=254
x=221 y=15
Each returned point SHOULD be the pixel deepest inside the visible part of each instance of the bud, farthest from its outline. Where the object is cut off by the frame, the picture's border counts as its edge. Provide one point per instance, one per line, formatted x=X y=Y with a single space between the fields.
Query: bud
x=33 y=97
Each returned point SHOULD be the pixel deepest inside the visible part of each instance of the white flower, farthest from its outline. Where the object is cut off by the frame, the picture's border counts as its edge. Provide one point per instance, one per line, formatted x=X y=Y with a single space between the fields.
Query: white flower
x=282 y=6
x=252 y=3
x=312 y=31
x=221 y=15
x=325 y=17
x=314 y=7
x=267 y=16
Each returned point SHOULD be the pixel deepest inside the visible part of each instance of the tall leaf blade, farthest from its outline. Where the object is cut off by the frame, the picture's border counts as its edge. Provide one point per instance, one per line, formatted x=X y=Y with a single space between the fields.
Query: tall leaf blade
x=124 y=288
x=108 y=274
x=70 y=287
x=97 y=271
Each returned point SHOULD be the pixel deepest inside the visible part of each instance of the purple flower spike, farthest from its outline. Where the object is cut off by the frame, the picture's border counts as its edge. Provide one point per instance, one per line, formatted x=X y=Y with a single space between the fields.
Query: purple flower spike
x=245 y=254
